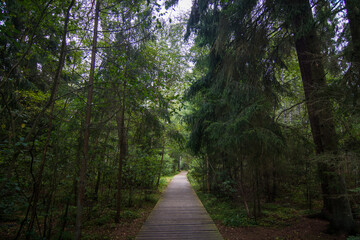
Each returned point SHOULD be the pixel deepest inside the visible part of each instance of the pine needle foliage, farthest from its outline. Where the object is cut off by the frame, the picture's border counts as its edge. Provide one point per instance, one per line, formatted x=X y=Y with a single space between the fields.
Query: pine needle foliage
x=232 y=124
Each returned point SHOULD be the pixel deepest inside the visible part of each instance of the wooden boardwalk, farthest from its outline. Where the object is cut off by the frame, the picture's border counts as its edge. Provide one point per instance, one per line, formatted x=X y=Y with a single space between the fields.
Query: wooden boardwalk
x=179 y=214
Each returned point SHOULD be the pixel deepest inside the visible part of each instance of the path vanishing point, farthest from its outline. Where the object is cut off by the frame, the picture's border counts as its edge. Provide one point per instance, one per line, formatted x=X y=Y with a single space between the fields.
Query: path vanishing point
x=179 y=214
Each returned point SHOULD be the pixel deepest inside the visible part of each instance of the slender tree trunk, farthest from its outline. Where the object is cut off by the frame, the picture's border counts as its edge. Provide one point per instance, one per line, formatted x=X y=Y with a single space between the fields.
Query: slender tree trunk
x=207 y=174
x=336 y=203
x=308 y=185
x=161 y=164
x=274 y=186
x=85 y=158
x=92 y=159
x=266 y=183
x=78 y=161
x=64 y=220
x=97 y=185
x=244 y=199
x=48 y=216
x=37 y=183
x=241 y=188
x=120 y=119
x=258 y=204
x=254 y=199
x=98 y=179
x=353 y=14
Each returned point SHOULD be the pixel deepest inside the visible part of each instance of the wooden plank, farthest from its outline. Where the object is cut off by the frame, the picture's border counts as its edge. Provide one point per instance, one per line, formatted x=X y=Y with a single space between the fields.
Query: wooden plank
x=179 y=214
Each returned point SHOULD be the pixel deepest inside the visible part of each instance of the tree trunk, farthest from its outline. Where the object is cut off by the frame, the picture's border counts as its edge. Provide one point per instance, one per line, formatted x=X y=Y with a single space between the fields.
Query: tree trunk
x=266 y=183
x=241 y=188
x=120 y=120
x=336 y=203
x=64 y=219
x=98 y=178
x=207 y=174
x=258 y=204
x=274 y=186
x=308 y=185
x=353 y=15
x=37 y=183
x=85 y=158
x=161 y=164
x=122 y=155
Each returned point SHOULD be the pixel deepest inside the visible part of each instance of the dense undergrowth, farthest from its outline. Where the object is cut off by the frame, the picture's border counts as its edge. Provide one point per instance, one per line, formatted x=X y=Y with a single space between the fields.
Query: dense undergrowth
x=99 y=220
x=232 y=214
x=275 y=215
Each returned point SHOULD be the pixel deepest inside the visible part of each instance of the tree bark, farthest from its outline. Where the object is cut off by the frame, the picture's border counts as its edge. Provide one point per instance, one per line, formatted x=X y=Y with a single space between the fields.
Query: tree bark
x=336 y=203
x=64 y=220
x=85 y=158
x=120 y=120
x=207 y=174
x=242 y=192
x=161 y=163
x=274 y=176
x=353 y=15
x=98 y=178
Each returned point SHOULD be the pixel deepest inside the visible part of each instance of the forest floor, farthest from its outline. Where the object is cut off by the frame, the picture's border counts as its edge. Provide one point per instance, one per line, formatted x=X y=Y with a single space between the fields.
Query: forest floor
x=300 y=229
x=279 y=223
x=99 y=223
x=125 y=230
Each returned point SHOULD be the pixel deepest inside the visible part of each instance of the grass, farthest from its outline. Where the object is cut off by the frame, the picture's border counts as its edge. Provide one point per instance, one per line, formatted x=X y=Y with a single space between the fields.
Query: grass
x=357 y=237
x=231 y=214
x=278 y=215
x=224 y=211
x=164 y=181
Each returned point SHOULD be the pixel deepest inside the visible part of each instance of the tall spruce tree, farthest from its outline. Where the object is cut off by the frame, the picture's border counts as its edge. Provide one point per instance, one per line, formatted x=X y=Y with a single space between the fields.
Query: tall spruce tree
x=234 y=121
x=209 y=20
x=299 y=16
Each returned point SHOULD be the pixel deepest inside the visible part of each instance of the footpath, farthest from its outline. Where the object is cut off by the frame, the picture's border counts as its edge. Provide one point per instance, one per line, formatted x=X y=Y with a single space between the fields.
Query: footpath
x=179 y=214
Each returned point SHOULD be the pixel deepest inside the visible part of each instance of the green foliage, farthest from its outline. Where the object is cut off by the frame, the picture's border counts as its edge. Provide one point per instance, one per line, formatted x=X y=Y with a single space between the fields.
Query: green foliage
x=103 y=219
x=225 y=212
x=12 y=201
x=278 y=215
x=239 y=110
x=165 y=180
x=129 y=215
x=230 y=214
x=238 y=220
x=134 y=73
x=248 y=120
x=357 y=237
